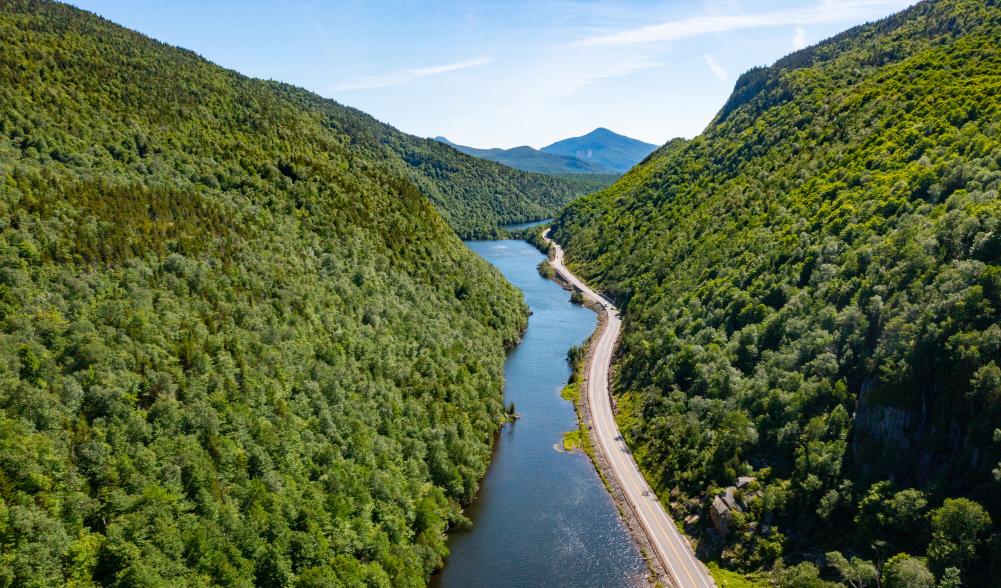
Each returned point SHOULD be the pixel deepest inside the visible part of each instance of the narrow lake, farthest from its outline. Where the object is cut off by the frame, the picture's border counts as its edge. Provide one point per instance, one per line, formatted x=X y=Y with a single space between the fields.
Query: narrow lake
x=542 y=516
x=519 y=226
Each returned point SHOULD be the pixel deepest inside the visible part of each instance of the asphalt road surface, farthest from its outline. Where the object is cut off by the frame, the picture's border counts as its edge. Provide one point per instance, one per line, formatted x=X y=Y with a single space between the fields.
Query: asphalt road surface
x=671 y=547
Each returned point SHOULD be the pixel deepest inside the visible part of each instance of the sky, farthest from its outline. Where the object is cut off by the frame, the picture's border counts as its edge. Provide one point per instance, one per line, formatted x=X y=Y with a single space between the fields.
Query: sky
x=503 y=73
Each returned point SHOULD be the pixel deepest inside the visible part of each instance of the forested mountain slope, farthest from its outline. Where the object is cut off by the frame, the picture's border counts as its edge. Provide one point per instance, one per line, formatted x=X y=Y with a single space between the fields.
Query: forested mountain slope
x=473 y=195
x=576 y=177
x=238 y=345
x=812 y=293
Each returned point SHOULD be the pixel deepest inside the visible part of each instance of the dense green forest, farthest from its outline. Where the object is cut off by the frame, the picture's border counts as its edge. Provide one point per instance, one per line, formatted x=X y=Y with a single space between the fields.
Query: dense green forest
x=587 y=183
x=812 y=297
x=238 y=345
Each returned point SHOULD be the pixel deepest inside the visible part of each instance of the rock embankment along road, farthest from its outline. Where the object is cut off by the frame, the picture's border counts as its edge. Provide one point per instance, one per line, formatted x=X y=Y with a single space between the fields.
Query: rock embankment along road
x=669 y=546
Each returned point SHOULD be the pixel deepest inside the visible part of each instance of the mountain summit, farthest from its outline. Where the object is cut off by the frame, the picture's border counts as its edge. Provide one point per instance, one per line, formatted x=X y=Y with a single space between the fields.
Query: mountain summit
x=604 y=148
x=599 y=152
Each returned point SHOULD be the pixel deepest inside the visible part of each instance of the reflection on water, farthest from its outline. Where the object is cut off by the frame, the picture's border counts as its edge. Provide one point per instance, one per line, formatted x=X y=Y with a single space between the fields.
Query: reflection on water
x=542 y=516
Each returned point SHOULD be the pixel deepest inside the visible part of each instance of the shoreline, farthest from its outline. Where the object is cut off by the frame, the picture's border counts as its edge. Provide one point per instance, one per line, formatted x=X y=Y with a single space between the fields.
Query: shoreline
x=640 y=573
x=658 y=575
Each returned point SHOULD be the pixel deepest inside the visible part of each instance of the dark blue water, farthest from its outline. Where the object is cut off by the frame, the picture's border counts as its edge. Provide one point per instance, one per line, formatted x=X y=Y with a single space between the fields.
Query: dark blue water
x=542 y=516
x=519 y=226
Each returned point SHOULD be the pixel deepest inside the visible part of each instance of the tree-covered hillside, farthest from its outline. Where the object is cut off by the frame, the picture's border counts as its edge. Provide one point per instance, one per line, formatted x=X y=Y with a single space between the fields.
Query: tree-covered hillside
x=812 y=297
x=237 y=343
x=473 y=195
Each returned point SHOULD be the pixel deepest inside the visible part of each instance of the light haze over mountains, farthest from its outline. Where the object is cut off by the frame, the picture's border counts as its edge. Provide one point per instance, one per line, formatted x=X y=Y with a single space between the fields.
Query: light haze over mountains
x=599 y=152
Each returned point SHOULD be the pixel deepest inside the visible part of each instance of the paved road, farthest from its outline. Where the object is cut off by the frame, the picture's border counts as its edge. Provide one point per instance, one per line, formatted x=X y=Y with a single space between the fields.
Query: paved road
x=672 y=549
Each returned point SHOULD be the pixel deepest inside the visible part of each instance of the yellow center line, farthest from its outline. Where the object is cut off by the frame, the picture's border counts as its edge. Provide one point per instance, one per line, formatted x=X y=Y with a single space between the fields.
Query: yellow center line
x=643 y=509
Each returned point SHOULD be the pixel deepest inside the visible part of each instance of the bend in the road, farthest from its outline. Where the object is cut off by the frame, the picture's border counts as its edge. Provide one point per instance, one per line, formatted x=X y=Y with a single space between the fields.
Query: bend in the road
x=672 y=549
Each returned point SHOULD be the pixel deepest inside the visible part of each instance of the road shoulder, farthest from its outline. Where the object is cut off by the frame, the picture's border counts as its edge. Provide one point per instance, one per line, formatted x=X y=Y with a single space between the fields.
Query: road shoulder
x=657 y=573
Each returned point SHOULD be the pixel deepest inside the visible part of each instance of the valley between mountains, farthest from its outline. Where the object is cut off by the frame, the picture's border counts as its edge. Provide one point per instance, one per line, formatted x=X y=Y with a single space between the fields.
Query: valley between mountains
x=245 y=339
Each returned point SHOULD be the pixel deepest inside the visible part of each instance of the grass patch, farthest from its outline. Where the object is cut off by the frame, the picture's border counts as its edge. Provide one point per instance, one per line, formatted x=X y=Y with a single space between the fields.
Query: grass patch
x=573 y=440
x=730 y=579
x=578 y=438
x=571 y=392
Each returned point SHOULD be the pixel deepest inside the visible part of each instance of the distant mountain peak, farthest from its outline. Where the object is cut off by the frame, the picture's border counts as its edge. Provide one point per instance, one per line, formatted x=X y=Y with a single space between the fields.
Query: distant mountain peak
x=601 y=151
x=603 y=147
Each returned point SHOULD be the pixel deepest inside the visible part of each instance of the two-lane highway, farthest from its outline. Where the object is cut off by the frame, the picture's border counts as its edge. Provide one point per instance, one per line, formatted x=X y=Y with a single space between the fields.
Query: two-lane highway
x=671 y=548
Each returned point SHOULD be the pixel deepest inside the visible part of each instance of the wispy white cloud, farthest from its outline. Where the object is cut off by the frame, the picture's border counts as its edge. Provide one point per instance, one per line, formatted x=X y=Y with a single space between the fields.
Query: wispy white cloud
x=673 y=30
x=408 y=75
x=602 y=72
x=799 y=38
x=715 y=67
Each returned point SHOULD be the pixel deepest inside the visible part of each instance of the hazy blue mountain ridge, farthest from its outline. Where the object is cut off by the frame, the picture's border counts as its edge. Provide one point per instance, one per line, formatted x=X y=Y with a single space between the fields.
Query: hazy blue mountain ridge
x=599 y=152
x=530 y=159
x=604 y=148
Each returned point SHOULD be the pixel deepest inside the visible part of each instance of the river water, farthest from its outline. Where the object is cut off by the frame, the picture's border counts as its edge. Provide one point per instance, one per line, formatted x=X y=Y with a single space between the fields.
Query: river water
x=542 y=516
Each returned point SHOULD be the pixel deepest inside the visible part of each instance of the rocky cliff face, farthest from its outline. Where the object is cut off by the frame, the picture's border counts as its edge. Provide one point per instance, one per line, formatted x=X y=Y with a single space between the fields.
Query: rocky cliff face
x=932 y=442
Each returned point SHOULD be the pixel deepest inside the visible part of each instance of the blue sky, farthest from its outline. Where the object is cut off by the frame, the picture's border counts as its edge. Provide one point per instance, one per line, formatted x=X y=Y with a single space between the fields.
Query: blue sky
x=504 y=73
